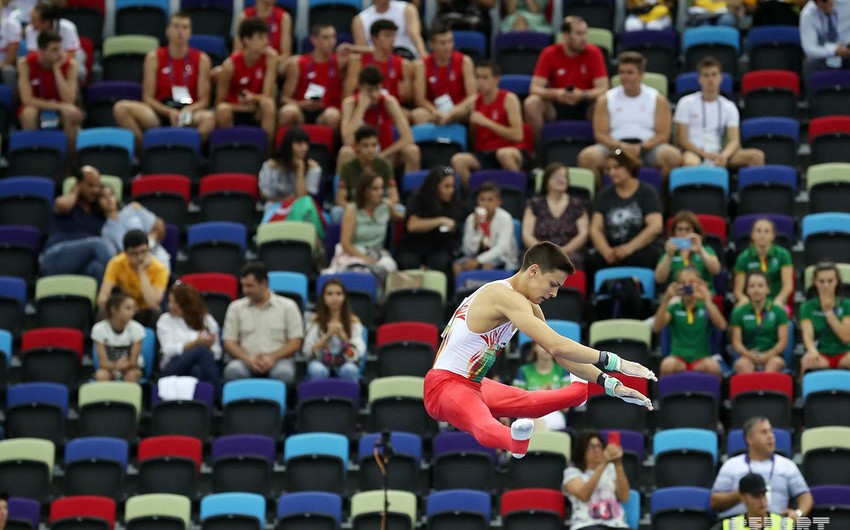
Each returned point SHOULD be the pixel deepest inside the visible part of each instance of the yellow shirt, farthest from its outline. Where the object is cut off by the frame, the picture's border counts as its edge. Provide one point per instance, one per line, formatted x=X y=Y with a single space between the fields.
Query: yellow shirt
x=119 y=272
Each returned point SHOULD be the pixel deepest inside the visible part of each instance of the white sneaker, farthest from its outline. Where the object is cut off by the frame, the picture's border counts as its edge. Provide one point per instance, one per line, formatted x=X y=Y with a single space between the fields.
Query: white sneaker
x=521 y=431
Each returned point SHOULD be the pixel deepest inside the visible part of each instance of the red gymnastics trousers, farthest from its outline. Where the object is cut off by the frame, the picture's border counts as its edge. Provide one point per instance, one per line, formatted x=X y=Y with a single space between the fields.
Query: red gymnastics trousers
x=473 y=407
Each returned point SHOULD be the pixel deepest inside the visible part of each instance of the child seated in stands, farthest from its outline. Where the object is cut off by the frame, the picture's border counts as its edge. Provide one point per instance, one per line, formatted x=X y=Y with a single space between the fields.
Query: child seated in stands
x=488 y=234
x=118 y=340
x=687 y=309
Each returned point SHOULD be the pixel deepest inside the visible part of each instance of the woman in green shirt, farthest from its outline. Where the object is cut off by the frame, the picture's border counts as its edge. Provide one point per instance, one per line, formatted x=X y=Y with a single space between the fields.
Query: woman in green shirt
x=765 y=255
x=686 y=232
x=541 y=372
x=687 y=309
x=825 y=323
x=759 y=329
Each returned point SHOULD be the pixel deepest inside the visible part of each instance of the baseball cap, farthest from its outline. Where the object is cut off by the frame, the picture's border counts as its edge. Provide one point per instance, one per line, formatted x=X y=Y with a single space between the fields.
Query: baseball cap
x=752 y=483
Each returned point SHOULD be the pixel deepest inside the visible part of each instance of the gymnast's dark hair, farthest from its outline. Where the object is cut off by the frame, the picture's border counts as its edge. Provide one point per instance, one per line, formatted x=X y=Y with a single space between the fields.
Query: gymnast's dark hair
x=549 y=257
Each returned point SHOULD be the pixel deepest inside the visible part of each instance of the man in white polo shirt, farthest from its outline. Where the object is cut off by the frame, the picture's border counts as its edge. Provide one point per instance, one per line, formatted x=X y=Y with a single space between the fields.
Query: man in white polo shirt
x=705 y=117
x=787 y=491
x=262 y=331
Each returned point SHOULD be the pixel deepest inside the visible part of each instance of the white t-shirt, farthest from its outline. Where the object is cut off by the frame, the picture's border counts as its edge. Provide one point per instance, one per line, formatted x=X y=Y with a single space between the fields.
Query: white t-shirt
x=173 y=333
x=632 y=117
x=781 y=475
x=10 y=33
x=117 y=344
x=68 y=32
x=706 y=120
x=603 y=507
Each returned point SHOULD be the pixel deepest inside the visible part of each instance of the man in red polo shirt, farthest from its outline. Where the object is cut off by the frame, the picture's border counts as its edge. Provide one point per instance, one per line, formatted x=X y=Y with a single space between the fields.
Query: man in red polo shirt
x=246 y=86
x=382 y=111
x=568 y=78
x=47 y=83
x=175 y=87
x=496 y=124
x=442 y=80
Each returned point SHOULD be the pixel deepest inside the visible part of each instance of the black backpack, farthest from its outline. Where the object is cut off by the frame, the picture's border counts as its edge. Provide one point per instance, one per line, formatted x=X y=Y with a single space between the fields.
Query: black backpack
x=622 y=298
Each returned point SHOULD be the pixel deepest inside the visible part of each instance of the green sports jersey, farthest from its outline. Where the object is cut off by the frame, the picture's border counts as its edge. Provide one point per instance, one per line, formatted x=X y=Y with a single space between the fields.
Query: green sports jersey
x=689 y=333
x=528 y=378
x=828 y=343
x=757 y=333
x=777 y=257
x=678 y=262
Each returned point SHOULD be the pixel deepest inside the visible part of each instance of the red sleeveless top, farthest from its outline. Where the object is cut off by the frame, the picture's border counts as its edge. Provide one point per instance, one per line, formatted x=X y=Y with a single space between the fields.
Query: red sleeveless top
x=275 y=22
x=392 y=70
x=486 y=139
x=172 y=72
x=380 y=119
x=43 y=81
x=445 y=79
x=326 y=74
x=248 y=78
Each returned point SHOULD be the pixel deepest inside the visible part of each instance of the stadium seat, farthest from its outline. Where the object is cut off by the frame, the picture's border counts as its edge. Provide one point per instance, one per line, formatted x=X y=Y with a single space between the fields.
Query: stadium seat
x=519 y=84
x=603 y=301
x=721 y=42
x=396 y=404
x=406 y=348
x=254 y=406
x=827 y=91
x=458 y=509
x=659 y=47
x=165 y=195
x=110 y=408
x=606 y=412
x=471 y=43
x=96 y=466
x=40 y=153
x=826 y=236
x=688 y=83
x=51 y=355
x=19 y=248
x=438 y=143
x=209 y=17
x=37 y=410
x=688 y=400
x=770 y=93
x=87 y=16
x=82 y=512
x=544 y=463
x=537 y=508
x=101 y=97
x=157 y=511
x=657 y=81
x=141 y=17
x=172 y=150
x=23 y=514
x=26 y=467
x=169 y=464
x=13 y=299
x=685 y=457
x=367 y=508
x=826 y=454
x=562 y=141
x=242 y=462
x=316 y=510
x=736 y=443
x=337 y=13
x=631 y=339
x=828 y=186
x=292 y=285
x=183 y=417
x=218 y=289
x=597 y=14
x=831 y=502
x=517 y=51
x=288 y=246
x=603 y=38
x=65 y=300
x=743 y=226
x=124 y=54
x=701 y=189
x=681 y=507
x=402 y=468
x=316 y=462
x=571 y=330
x=778 y=138
x=229 y=197
x=216 y=247
x=829 y=137
x=425 y=304
x=328 y=405
x=775 y=48
x=233 y=511
x=460 y=462
x=109 y=149
x=238 y=150
x=826 y=394
x=569 y=303
x=767 y=189
x=761 y=394
x=5 y=356
x=362 y=289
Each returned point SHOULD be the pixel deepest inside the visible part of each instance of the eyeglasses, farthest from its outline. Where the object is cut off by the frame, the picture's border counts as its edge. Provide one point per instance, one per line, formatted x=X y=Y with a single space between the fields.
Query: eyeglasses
x=595 y=445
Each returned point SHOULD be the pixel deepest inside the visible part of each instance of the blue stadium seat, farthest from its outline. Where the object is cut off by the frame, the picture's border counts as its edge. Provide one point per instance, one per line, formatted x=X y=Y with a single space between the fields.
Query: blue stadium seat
x=337 y=13
x=826 y=236
x=216 y=246
x=213 y=45
x=565 y=328
x=826 y=394
x=774 y=48
x=519 y=84
x=403 y=467
x=722 y=42
x=688 y=83
x=307 y=506
x=767 y=189
x=141 y=17
x=40 y=152
x=646 y=277
x=632 y=509
x=438 y=143
x=736 y=443
x=96 y=466
x=254 y=406
x=172 y=150
x=234 y=511
x=316 y=462
x=37 y=410
x=455 y=508
x=472 y=43
x=290 y=284
x=778 y=138
x=700 y=189
x=685 y=457
x=681 y=507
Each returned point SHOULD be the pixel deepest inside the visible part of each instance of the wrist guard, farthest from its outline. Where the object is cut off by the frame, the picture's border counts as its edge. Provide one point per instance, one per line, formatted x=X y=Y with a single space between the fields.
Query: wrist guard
x=608 y=361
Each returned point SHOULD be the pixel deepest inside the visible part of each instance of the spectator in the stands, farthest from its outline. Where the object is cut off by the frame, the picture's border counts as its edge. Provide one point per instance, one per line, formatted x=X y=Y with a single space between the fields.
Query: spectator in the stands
x=366 y=158
x=175 y=87
x=397 y=71
x=596 y=484
x=443 y=80
x=705 y=118
x=568 y=79
x=45 y=16
x=772 y=259
x=262 y=331
x=488 y=241
x=754 y=494
x=435 y=213
x=118 y=340
x=525 y=15
x=74 y=244
x=557 y=216
x=647 y=14
x=405 y=16
x=383 y=112
x=133 y=216
x=825 y=35
x=246 y=81
x=789 y=493
x=495 y=117
x=280 y=29
x=334 y=342
x=759 y=329
x=686 y=248
x=466 y=15
x=10 y=42
x=633 y=117
x=825 y=322
x=48 y=88
x=541 y=372
x=687 y=310
x=627 y=221
x=713 y=13
x=143 y=277
x=188 y=337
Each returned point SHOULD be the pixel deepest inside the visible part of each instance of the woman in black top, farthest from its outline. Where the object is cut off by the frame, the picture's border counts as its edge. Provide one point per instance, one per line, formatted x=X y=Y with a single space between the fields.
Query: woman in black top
x=435 y=218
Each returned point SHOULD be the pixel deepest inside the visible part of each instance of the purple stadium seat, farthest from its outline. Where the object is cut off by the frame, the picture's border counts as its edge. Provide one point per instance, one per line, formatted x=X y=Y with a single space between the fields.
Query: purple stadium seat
x=329 y=388
x=630 y=441
x=243 y=444
x=451 y=442
x=743 y=225
x=25 y=510
x=689 y=382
